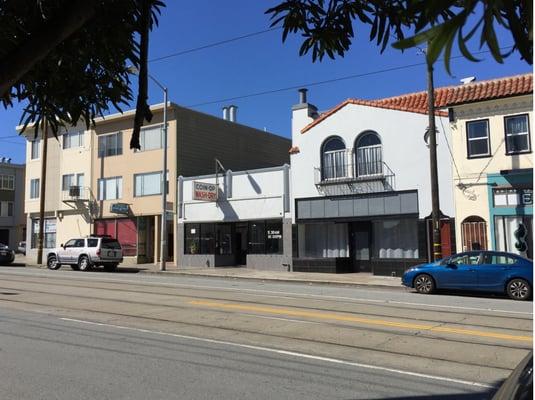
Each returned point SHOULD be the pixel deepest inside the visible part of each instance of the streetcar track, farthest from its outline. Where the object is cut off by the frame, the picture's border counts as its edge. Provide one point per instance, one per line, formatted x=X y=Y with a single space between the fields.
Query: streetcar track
x=280 y=336
x=424 y=335
x=211 y=296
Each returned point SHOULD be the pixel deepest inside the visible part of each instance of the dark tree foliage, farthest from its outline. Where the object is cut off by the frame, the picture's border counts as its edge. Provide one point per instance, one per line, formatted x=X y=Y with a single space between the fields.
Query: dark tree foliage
x=327 y=26
x=68 y=60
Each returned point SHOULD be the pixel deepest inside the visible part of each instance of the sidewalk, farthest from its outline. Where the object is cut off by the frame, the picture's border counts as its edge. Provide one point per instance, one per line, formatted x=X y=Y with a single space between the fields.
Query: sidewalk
x=356 y=279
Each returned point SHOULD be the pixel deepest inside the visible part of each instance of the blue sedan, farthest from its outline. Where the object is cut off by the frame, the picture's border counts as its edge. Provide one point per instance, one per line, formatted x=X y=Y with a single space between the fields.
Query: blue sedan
x=488 y=271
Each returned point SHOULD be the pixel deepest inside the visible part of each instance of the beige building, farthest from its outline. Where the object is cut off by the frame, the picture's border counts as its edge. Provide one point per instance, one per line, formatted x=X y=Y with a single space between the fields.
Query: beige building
x=96 y=184
x=493 y=164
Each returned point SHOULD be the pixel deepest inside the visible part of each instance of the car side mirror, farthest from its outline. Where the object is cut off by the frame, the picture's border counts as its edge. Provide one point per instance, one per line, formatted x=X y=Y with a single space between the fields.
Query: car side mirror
x=62 y=245
x=451 y=265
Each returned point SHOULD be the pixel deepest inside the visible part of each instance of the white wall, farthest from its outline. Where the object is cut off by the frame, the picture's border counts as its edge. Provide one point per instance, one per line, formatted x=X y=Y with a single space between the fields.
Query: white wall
x=404 y=151
x=256 y=194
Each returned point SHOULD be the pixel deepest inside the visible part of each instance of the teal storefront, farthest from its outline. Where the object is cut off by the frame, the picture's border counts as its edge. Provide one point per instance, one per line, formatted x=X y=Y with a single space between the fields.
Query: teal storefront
x=511 y=211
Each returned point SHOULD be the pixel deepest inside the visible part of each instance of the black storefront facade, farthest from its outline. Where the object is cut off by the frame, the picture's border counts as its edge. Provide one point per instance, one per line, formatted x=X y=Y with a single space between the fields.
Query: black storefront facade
x=377 y=232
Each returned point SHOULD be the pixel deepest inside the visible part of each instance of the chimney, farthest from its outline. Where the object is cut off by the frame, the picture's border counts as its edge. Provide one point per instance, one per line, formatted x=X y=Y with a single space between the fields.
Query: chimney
x=232 y=113
x=302 y=95
x=225 y=113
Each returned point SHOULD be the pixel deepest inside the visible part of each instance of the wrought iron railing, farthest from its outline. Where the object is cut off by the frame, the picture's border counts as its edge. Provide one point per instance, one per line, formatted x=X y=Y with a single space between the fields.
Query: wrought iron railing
x=76 y=193
x=355 y=173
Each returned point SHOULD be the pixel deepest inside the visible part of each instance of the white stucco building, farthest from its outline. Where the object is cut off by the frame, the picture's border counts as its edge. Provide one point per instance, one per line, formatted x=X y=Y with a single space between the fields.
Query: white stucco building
x=361 y=185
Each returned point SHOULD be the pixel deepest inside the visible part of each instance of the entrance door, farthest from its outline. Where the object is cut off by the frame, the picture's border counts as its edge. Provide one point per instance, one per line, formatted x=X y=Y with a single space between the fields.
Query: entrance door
x=240 y=243
x=360 y=246
x=4 y=236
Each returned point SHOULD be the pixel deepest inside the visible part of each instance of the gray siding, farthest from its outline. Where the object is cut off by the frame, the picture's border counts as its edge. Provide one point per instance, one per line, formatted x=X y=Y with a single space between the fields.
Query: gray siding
x=203 y=137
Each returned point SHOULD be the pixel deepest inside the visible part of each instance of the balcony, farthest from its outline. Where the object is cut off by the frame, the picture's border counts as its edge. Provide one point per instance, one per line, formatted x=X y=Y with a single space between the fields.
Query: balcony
x=351 y=178
x=76 y=194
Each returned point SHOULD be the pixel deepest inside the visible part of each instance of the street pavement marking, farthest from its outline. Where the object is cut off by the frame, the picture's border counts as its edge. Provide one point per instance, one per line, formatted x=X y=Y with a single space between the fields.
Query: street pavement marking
x=351 y=318
x=276 y=293
x=288 y=353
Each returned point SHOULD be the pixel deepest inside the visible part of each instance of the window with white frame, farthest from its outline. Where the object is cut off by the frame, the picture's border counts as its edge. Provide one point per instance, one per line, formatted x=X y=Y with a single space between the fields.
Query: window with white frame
x=34 y=149
x=70 y=180
x=369 y=154
x=149 y=184
x=110 y=145
x=34 y=188
x=517 y=138
x=333 y=154
x=7 y=182
x=6 y=208
x=151 y=138
x=477 y=137
x=73 y=139
x=110 y=188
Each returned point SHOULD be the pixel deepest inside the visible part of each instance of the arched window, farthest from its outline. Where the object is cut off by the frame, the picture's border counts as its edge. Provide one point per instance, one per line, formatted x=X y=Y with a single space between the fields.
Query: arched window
x=474 y=233
x=369 y=154
x=333 y=158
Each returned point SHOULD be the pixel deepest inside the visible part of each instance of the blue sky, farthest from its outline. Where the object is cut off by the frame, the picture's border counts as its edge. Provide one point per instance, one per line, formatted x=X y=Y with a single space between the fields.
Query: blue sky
x=263 y=63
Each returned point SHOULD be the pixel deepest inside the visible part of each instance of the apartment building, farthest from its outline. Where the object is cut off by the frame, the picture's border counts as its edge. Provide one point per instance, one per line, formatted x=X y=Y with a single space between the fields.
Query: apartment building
x=12 y=219
x=493 y=163
x=96 y=184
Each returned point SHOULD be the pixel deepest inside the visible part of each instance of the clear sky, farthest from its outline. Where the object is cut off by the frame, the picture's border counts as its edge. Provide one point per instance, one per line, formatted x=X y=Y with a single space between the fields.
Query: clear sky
x=263 y=63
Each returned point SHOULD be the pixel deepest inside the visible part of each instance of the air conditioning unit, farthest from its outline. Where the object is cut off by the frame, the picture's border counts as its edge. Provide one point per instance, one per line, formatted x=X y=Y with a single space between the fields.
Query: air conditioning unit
x=74 y=191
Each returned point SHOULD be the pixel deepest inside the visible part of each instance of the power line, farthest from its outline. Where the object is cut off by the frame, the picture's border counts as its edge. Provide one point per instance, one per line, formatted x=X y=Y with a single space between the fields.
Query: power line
x=317 y=83
x=215 y=44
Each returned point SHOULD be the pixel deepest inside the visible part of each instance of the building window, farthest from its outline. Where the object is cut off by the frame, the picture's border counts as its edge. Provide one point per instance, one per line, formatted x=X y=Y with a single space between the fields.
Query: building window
x=369 y=154
x=73 y=139
x=265 y=237
x=325 y=241
x=69 y=180
x=477 y=136
x=151 y=138
x=49 y=239
x=224 y=239
x=192 y=236
x=6 y=208
x=35 y=149
x=395 y=238
x=517 y=134
x=110 y=145
x=333 y=158
x=110 y=188
x=7 y=182
x=474 y=233
x=34 y=189
x=149 y=184
x=513 y=234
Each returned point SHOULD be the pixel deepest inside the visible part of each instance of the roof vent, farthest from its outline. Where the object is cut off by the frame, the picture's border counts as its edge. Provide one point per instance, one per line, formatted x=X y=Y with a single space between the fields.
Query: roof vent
x=468 y=80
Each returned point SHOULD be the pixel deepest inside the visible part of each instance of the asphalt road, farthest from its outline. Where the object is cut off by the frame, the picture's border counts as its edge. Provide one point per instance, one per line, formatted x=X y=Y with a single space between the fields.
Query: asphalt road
x=66 y=335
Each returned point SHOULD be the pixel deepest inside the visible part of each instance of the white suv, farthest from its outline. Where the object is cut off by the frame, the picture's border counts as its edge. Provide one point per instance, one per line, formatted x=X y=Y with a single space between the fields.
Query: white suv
x=84 y=253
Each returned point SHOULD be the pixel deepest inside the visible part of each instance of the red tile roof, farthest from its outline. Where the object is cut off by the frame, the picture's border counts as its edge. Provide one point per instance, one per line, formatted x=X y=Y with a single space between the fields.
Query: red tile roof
x=444 y=97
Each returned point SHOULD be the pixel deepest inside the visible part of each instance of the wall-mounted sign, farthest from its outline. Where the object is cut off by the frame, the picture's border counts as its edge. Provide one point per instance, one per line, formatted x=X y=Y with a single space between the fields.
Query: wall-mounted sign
x=204 y=191
x=512 y=197
x=119 y=208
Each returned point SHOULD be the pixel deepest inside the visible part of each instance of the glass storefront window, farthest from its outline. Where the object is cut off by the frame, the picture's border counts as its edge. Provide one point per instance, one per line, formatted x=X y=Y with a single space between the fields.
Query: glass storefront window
x=207 y=239
x=224 y=242
x=257 y=237
x=513 y=234
x=395 y=238
x=325 y=241
x=192 y=239
x=274 y=237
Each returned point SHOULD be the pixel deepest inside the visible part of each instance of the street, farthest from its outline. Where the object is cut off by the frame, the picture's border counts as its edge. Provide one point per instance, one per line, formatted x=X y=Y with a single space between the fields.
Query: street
x=68 y=334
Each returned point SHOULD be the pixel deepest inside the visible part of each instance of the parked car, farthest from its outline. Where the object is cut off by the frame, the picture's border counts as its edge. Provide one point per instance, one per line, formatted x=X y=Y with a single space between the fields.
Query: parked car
x=6 y=254
x=21 y=249
x=84 y=253
x=488 y=271
x=519 y=385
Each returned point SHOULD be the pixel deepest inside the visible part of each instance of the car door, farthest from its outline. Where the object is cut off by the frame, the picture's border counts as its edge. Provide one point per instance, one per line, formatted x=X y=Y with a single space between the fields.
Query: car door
x=76 y=250
x=65 y=252
x=459 y=272
x=494 y=270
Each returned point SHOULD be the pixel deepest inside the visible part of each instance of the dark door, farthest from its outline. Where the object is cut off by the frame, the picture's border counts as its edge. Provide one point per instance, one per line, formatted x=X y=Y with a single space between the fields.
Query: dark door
x=360 y=245
x=4 y=236
x=240 y=244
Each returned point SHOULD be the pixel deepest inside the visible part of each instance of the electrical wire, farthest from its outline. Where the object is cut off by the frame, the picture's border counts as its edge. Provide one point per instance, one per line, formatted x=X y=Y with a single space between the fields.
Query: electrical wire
x=449 y=149
x=215 y=44
x=317 y=83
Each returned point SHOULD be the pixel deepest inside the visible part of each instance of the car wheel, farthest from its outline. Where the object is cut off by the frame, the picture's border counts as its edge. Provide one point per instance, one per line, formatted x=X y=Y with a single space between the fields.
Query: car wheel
x=52 y=263
x=110 y=267
x=84 y=264
x=518 y=289
x=75 y=267
x=424 y=284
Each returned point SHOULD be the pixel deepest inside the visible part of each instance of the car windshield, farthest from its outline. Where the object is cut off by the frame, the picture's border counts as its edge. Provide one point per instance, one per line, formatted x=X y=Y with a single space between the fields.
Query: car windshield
x=110 y=244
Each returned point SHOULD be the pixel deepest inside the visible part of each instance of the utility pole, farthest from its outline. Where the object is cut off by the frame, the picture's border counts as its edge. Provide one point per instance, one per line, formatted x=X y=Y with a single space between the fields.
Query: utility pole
x=42 y=183
x=437 y=248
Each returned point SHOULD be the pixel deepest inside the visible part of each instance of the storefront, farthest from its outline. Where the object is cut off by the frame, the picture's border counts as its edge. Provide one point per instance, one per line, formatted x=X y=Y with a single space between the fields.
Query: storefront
x=511 y=211
x=235 y=219
x=360 y=233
